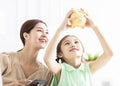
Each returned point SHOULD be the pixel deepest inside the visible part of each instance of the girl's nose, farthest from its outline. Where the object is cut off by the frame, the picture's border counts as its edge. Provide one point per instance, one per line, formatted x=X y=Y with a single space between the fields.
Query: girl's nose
x=73 y=44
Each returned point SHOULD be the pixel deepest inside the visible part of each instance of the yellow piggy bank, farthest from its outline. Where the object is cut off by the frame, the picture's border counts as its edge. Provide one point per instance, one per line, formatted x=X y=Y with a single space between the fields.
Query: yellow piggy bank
x=78 y=19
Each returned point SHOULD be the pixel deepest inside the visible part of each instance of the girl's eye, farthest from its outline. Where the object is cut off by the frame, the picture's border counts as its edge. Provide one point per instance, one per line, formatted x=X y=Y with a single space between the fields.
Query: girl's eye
x=67 y=43
x=47 y=32
x=76 y=42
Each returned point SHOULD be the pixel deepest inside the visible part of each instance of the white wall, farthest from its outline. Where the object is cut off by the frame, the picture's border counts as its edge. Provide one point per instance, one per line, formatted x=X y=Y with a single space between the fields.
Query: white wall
x=104 y=12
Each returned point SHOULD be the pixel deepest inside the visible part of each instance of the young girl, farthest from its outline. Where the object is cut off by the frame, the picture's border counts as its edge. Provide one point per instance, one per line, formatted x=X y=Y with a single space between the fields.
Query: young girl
x=73 y=70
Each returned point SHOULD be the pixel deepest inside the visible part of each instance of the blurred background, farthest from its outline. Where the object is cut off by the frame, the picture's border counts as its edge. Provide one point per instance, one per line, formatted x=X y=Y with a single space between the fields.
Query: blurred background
x=105 y=14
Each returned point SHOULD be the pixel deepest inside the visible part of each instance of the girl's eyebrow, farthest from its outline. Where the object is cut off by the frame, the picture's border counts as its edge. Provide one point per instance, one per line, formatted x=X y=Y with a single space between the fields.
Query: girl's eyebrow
x=65 y=41
x=76 y=39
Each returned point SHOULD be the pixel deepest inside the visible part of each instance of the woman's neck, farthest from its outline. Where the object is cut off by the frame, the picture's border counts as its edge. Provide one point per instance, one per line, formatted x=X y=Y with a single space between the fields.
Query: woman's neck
x=28 y=56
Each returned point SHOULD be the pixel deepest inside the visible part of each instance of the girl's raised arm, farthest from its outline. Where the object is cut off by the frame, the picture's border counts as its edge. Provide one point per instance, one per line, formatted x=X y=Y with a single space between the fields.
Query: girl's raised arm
x=107 y=52
x=50 y=53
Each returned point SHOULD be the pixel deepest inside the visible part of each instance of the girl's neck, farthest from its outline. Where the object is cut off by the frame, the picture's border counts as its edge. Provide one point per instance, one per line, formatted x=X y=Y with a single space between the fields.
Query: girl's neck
x=75 y=63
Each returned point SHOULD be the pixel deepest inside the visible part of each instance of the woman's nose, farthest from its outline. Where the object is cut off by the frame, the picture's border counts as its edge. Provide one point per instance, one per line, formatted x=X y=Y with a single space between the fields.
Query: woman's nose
x=44 y=34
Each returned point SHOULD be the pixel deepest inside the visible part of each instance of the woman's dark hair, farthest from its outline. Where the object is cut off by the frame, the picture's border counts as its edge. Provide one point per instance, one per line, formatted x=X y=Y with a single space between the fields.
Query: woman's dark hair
x=59 y=48
x=28 y=26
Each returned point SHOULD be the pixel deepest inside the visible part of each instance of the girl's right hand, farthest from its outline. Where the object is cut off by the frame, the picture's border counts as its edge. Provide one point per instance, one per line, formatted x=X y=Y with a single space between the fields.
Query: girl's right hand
x=67 y=18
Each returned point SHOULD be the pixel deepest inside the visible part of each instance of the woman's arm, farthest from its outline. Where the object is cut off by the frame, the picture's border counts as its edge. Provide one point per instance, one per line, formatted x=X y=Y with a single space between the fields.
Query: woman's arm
x=5 y=65
x=107 y=52
x=17 y=83
x=4 y=62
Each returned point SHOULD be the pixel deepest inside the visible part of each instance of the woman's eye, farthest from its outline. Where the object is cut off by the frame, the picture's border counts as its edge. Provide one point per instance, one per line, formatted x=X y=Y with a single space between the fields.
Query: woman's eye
x=39 y=30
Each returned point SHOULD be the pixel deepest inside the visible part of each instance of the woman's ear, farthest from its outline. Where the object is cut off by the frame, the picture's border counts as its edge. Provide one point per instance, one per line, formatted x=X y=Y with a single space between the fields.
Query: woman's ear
x=60 y=54
x=26 y=35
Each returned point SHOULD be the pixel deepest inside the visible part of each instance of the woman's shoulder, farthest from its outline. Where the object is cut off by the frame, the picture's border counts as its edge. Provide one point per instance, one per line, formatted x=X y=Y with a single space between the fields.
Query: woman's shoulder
x=43 y=66
x=43 y=69
x=5 y=56
x=7 y=53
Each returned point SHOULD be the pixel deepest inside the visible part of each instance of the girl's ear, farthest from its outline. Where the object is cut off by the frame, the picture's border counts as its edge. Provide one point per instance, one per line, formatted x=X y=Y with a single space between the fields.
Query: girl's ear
x=60 y=54
x=26 y=35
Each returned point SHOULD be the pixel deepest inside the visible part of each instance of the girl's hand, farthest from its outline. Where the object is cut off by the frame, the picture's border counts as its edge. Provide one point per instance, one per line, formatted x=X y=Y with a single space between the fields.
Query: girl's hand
x=67 y=19
x=89 y=22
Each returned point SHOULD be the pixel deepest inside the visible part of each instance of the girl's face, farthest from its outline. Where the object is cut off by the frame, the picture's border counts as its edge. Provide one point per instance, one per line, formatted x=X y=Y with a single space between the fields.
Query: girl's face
x=71 y=48
x=38 y=36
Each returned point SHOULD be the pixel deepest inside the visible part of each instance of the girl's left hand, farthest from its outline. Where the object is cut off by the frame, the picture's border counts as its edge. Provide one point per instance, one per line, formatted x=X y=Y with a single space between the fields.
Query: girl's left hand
x=89 y=22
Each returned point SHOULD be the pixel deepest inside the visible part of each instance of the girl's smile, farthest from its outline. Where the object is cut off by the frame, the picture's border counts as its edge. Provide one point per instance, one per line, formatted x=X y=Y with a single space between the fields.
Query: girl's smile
x=74 y=49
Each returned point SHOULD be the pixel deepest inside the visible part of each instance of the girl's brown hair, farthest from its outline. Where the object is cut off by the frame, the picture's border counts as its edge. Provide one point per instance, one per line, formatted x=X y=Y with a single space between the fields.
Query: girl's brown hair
x=59 y=48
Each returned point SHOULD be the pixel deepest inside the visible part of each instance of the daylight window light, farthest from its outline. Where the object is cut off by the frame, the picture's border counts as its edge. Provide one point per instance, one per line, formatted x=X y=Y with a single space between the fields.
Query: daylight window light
x=2 y=23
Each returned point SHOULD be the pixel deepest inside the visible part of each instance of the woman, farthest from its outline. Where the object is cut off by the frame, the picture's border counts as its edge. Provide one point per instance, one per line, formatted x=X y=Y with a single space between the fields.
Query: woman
x=20 y=68
x=72 y=70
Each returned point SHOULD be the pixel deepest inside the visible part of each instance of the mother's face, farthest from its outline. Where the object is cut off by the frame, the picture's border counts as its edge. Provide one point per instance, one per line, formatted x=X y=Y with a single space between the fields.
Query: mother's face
x=38 y=36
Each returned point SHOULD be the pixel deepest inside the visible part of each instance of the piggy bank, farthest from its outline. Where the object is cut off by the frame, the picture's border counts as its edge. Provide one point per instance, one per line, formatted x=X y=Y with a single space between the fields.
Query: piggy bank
x=78 y=19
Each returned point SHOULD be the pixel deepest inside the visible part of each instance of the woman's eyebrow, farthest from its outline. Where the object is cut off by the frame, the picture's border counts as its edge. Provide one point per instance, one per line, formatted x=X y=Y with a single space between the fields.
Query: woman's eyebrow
x=39 y=27
x=42 y=28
